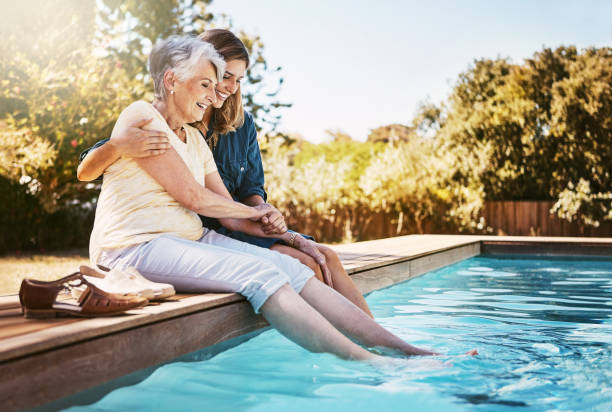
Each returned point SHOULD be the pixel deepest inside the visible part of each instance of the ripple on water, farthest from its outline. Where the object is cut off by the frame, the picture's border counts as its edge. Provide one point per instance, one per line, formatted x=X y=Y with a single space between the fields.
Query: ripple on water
x=568 y=282
x=491 y=273
x=480 y=269
x=546 y=347
x=489 y=290
x=543 y=345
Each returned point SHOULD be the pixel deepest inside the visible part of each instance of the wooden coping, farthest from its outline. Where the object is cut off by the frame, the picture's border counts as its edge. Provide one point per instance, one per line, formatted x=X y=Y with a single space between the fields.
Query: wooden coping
x=43 y=360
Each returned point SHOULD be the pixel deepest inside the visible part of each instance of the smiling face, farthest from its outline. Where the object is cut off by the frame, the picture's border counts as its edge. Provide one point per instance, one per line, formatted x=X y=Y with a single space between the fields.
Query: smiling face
x=193 y=95
x=234 y=73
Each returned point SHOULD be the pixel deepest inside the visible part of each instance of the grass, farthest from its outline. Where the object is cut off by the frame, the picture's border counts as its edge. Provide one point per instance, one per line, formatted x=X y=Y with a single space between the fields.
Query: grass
x=47 y=266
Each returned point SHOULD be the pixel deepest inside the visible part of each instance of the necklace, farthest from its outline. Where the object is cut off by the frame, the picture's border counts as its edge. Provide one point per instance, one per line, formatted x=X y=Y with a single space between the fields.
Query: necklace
x=180 y=132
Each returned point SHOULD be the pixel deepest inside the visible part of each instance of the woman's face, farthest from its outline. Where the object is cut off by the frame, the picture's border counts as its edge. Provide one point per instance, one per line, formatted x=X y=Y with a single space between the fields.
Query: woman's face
x=234 y=72
x=192 y=96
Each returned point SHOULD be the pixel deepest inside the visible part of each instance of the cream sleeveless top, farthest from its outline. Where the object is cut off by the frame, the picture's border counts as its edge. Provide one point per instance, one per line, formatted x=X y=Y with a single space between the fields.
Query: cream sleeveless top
x=133 y=208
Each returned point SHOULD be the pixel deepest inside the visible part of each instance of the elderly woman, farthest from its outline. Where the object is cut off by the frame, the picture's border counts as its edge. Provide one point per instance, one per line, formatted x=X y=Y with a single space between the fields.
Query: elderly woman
x=147 y=218
x=231 y=135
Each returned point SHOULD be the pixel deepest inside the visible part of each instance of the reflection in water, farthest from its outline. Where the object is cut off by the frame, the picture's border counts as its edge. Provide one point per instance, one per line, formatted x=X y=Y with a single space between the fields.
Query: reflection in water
x=542 y=327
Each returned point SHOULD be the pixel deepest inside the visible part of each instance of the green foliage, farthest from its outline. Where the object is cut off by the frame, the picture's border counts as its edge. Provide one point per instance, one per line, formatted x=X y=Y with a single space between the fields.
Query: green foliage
x=548 y=122
x=541 y=130
x=428 y=183
x=577 y=202
x=391 y=134
x=338 y=135
x=68 y=69
x=131 y=27
x=57 y=96
x=22 y=155
x=344 y=185
x=355 y=153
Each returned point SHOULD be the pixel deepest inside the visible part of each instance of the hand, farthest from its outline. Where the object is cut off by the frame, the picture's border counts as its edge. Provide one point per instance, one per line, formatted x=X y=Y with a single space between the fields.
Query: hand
x=310 y=248
x=273 y=223
x=262 y=210
x=137 y=142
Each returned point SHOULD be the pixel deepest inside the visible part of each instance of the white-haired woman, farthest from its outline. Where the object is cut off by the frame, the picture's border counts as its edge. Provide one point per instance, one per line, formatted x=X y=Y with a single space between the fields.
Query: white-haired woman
x=147 y=218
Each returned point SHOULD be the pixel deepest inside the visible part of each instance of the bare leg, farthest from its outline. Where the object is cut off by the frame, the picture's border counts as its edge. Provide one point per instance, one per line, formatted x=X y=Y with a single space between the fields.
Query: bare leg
x=352 y=321
x=341 y=280
x=297 y=320
x=301 y=256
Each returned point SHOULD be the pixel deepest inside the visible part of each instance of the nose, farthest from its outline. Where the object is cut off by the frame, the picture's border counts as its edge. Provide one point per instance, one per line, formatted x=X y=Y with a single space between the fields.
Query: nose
x=234 y=87
x=211 y=96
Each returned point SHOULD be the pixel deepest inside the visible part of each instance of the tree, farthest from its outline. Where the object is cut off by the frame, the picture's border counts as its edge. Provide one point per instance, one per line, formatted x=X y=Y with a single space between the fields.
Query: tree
x=131 y=27
x=548 y=122
x=68 y=69
x=338 y=135
x=54 y=90
x=392 y=133
x=428 y=120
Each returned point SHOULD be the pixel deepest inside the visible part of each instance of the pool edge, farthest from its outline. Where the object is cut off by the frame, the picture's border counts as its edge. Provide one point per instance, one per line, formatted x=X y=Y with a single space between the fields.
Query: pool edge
x=55 y=373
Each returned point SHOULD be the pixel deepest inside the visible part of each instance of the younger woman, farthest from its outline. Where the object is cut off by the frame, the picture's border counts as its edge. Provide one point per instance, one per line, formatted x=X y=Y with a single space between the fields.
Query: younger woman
x=230 y=132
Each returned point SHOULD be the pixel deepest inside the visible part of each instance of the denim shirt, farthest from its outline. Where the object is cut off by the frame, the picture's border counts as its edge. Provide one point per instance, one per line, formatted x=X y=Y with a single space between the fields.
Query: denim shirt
x=238 y=161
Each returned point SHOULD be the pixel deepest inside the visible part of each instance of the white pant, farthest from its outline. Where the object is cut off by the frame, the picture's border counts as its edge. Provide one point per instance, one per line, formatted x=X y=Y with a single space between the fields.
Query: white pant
x=214 y=263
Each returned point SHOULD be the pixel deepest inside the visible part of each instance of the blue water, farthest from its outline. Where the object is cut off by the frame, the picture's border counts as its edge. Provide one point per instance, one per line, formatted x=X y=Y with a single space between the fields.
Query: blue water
x=543 y=328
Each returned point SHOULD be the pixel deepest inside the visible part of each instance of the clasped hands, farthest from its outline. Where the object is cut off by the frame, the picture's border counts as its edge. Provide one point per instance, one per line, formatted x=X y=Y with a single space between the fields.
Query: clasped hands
x=273 y=222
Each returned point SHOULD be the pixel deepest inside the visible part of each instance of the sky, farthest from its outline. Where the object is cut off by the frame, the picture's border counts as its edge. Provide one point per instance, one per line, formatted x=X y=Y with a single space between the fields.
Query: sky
x=357 y=65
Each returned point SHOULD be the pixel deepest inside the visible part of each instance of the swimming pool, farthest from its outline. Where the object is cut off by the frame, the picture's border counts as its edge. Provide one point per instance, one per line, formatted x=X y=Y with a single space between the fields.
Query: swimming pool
x=542 y=327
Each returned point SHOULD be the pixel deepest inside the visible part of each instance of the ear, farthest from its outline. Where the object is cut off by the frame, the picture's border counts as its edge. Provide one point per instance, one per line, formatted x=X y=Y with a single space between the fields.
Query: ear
x=169 y=80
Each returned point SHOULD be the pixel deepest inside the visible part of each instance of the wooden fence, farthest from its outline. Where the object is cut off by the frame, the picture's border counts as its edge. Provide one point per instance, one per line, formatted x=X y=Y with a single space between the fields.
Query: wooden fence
x=523 y=218
x=514 y=218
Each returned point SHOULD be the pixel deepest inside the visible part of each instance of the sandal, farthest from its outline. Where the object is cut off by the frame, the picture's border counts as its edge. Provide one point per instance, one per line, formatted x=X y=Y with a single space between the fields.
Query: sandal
x=38 y=299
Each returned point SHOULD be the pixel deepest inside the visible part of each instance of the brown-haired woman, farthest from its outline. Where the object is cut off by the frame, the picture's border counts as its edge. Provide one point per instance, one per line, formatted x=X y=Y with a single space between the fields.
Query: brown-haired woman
x=230 y=132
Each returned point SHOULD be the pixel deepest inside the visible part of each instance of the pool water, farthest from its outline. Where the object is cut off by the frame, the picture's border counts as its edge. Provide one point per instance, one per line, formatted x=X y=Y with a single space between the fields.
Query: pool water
x=542 y=326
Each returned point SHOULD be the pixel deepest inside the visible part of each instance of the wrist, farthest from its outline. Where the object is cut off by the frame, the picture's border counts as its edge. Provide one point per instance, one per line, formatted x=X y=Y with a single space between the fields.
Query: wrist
x=255 y=212
x=254 y=200
x=291 y=237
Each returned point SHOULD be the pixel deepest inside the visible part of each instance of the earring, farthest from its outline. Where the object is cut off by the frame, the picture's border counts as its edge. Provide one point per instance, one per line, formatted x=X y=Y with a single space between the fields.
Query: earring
x=171 y=91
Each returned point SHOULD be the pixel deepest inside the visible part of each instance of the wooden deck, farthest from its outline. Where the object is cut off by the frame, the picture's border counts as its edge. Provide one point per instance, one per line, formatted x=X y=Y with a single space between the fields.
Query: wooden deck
x=43 y=360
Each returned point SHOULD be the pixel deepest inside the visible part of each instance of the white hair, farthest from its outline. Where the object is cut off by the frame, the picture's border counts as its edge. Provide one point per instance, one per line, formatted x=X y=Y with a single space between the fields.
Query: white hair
x=181 y=54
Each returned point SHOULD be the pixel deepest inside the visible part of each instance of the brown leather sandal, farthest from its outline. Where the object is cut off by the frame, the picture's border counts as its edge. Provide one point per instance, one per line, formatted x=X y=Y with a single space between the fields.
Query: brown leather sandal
x=39 y=299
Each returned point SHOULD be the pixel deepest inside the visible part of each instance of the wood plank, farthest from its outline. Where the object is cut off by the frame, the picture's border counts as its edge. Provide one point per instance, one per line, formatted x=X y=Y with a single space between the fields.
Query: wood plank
x=507 y=217
x=34 y=380
x=543 y=217
x=50 y=338
x=498 y=217
x=32 y=363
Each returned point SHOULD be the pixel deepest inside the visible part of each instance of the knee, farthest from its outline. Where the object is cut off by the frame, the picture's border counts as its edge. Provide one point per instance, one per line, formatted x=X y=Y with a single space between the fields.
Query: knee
x=330 y=254
x=312 y=264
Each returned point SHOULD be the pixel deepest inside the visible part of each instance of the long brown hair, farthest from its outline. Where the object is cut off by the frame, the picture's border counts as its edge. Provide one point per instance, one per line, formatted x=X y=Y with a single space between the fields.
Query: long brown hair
x=231 y=115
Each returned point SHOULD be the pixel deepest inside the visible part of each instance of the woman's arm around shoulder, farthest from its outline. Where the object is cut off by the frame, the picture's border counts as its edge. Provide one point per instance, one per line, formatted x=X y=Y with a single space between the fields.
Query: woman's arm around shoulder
x=171 y=172
x=135 y=140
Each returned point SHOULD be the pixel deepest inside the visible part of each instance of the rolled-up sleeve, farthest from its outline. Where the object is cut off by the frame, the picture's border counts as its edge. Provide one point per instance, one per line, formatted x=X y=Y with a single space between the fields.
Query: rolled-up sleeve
x=253 y=182
x=85 y=152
